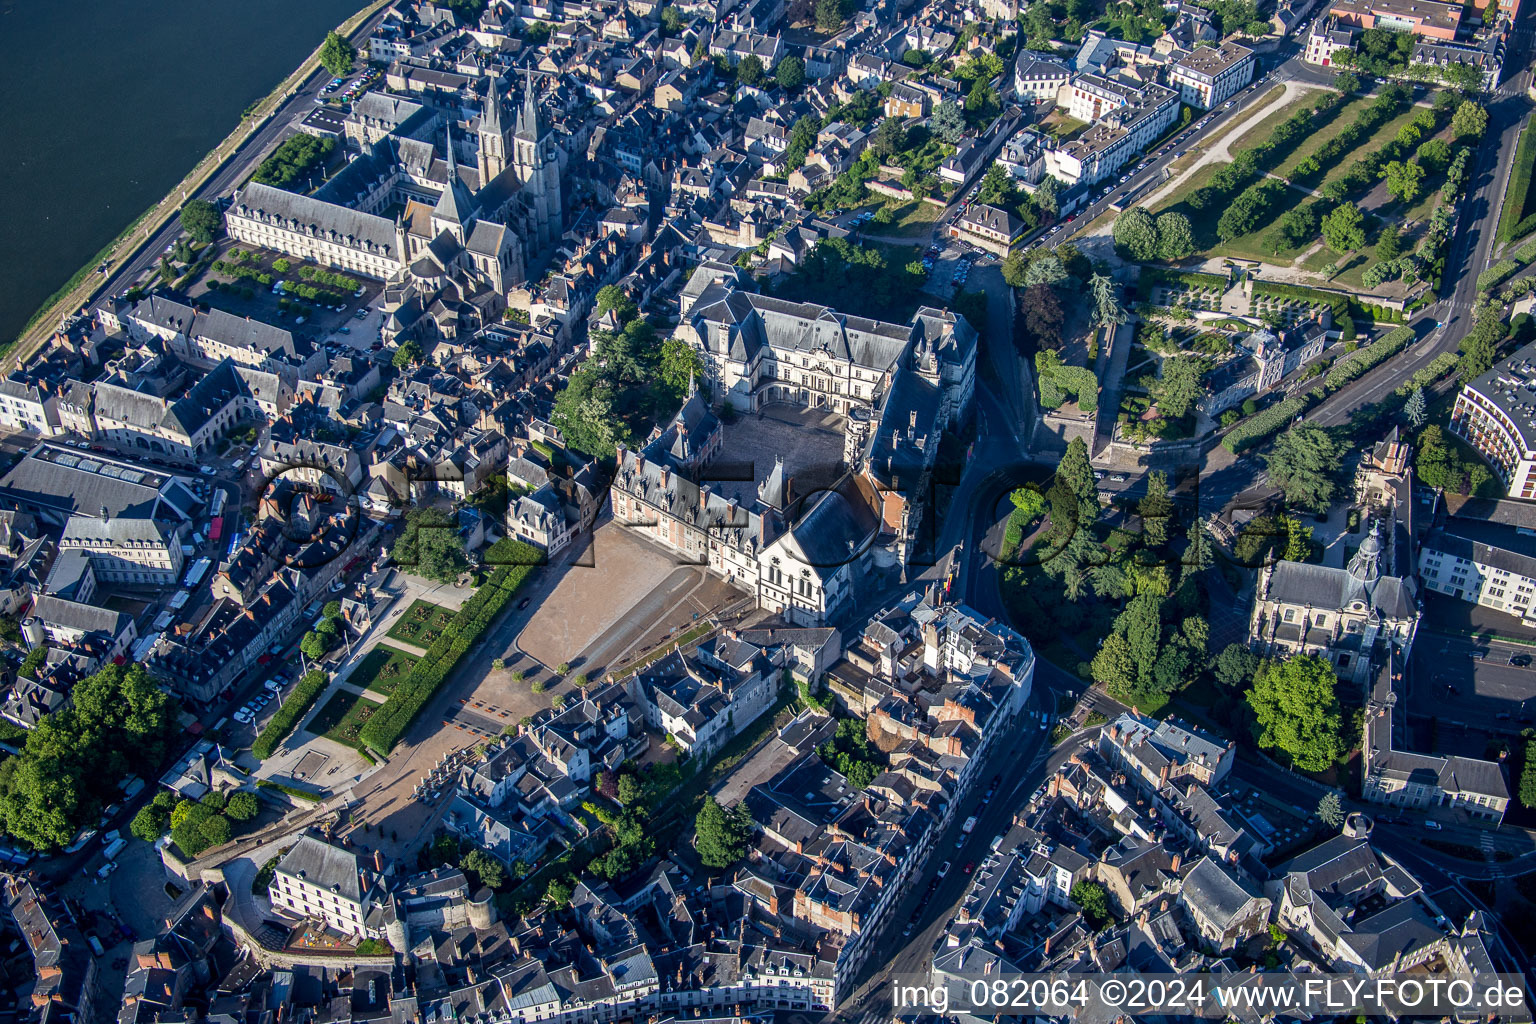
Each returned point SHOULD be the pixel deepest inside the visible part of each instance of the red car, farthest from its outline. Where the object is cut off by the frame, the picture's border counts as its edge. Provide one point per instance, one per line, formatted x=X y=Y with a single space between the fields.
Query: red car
x=969 y=867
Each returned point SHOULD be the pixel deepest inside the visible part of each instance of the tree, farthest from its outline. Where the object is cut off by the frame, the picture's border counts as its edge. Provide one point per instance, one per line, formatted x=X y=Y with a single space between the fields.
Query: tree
x=149 y=824
x=558 y=893
x=1106 y=301
x=1434 y=155
x=1414 y=410
x=613 y=299
x=890 y=138
x=314 y=645
x=1045 y=270
x=1179 y=387
x=1029 y=501
x=1014 y=267
x=1093 y=899
x=721 y=835
x=1389 y=244
x=484 y=867
x=1403 y=179
x=1156 y=509
x=216 y=830
x=1175 y=237
x=671 y=21
x=1302 y=465
x=1043 y=315
x=789 y=72
x=1136 y=234
x=630 y=789
x=1469 y=121
x=801 y=138
x=337 y=55
x=1235 y=666
x=1344 y=228
x=408 y=354
x=1528 y=773
x=1296 y=711
x=829 y=16
x=429 y=546
x=201 y=219
x=1296 y=227
x=242 y=806
x=750 y=70
x=947 y=122
x=1330 y=809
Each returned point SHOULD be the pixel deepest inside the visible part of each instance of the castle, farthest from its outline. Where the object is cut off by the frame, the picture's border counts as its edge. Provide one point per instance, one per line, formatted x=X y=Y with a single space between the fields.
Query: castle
x=801 y=551
x=462 y=233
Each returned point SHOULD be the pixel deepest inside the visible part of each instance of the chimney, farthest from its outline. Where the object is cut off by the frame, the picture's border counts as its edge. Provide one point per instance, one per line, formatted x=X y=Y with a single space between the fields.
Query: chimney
x=1048 y=940
x=378 y=861
x=1178 y=859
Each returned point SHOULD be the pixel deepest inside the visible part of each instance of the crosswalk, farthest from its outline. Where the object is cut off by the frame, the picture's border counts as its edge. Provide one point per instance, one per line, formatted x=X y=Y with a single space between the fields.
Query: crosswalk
x=1495 y=870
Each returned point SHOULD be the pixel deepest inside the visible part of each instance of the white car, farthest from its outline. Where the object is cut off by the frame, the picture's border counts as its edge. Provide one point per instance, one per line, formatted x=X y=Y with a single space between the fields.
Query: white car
x=206 y=470
x=242 y=716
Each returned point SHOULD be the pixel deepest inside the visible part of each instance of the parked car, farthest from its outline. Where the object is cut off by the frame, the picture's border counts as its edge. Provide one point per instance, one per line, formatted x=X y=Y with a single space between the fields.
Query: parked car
x=943 y=869
x=1520 y=660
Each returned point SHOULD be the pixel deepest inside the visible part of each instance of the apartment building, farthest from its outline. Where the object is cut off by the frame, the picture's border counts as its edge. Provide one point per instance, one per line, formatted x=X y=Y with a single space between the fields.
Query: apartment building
x=1126 y=117
x=1496 y=414
x=1490 y=564
x=1210 y=75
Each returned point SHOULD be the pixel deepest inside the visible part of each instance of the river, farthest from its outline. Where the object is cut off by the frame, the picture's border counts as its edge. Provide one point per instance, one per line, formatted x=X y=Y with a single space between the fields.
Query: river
x=109 y=103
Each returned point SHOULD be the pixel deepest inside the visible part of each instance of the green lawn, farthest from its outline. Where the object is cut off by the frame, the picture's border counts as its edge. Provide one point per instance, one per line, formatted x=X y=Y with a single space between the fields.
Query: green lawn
x=421 y=623
x=342 y=717
x=1257 y=245
x=1265 y=128
x=1196 y=181
x=1346 y=116
x=1062 y=126
x=1383 y=135
x=382 y=669
x=914 y=220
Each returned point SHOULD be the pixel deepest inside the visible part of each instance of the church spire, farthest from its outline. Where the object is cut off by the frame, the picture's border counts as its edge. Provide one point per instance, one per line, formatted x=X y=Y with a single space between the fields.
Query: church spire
x=456 y=205
x=528 y=116
x=490 y=119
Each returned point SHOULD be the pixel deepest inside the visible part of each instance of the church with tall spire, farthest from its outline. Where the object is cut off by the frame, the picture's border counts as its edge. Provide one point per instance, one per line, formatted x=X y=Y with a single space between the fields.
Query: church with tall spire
x=471 y=215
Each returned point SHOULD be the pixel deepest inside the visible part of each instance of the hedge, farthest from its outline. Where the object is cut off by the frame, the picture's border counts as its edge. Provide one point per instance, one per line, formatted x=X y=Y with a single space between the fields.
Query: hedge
x=1362 y=359
x=305 y=692
x=1152 y=276
x=1257 y=428
x=1526 y=253
x=293 y=791
x=515 y=562
x=1443 y=364
x=1513 y=221
x=1496 y=275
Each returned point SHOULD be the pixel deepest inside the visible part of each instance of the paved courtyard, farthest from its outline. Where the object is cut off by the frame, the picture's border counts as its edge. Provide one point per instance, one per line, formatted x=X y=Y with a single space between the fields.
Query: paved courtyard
x=590 y=598
x=810 y=441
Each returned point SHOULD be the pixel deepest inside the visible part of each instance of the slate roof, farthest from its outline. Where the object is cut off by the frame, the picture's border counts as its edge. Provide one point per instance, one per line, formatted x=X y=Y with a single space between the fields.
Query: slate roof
x=328 y=219
x=1215 y=894
x=64 y=480
x=321 y=864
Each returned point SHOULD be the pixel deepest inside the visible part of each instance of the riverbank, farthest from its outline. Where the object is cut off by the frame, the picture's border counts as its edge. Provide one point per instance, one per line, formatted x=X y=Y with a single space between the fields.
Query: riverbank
x=86 y=285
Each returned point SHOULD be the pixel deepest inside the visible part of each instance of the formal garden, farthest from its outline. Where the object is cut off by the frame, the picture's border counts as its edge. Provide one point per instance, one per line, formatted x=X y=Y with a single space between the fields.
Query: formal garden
x=342 y=717
x=422 y=623
x=382 y=669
